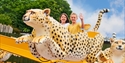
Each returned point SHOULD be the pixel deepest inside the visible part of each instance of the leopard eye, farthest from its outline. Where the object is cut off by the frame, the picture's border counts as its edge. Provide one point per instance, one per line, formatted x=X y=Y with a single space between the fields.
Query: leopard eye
x=32 y=12
x=116 y=42
x=123 y=42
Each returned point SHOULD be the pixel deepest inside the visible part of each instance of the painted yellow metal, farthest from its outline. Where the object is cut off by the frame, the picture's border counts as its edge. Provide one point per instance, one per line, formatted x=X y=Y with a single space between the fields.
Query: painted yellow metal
x=9 y=44
x=92 y=34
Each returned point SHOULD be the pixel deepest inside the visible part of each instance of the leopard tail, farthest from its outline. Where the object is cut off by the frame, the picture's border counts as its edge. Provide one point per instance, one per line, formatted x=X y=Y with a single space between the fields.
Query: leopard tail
x=99 y=19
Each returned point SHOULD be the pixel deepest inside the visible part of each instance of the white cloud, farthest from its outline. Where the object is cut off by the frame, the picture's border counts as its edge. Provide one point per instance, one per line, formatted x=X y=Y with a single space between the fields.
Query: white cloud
x=109 y=24
x=117 y=3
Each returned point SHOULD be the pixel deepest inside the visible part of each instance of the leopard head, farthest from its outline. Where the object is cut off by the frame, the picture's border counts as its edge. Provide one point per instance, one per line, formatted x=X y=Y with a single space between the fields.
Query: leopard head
x=117 y=45
x=35 y=17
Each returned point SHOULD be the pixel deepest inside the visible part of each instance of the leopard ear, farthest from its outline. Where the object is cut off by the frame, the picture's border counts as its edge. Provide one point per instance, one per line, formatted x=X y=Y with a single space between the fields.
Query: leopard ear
x=111 y=40
x=46 y=11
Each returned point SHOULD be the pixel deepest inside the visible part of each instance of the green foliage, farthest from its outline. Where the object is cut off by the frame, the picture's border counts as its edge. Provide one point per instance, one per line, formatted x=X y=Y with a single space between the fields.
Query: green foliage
x=17 y=8
x=10 y=34
x=106 y=45
x=13 y=10
x=26 y=30
x=16 y=30
x=5 y=19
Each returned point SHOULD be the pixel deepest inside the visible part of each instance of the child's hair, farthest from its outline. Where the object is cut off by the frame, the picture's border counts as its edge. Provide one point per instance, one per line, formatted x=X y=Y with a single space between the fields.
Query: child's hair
x=73 y=14
x=67 y=21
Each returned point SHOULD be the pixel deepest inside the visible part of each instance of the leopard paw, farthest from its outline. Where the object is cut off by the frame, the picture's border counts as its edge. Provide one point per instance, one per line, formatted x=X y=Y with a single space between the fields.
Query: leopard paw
x=25 y=38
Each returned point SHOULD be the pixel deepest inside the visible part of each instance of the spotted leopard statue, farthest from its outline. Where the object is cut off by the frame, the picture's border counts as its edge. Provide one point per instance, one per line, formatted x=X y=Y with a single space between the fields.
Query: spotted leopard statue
x=4 y=55
x=115 y=53
x=52 y=41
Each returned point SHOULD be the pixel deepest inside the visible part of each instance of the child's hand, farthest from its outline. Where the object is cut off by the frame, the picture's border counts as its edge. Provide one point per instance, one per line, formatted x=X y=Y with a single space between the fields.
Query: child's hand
x=81 y=16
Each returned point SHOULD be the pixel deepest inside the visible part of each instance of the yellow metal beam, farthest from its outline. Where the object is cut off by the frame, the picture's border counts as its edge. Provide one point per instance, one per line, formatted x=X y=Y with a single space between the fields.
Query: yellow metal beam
x=92 y=34
x=9 y=44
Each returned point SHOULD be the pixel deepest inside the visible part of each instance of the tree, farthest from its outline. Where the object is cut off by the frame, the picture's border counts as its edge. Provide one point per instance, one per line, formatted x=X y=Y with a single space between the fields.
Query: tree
x=16 y=9
x=5 y=19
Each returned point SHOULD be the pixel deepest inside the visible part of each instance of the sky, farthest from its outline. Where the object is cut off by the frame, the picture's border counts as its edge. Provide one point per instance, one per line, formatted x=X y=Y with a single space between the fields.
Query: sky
x=114 y=21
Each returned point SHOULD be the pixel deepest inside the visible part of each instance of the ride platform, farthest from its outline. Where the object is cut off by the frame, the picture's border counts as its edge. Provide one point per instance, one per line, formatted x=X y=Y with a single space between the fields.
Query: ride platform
x=9 y=44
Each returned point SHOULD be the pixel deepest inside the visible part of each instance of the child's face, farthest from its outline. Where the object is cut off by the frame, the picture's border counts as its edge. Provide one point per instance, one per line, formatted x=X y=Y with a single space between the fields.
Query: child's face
x=73 y=18
x=63 y=19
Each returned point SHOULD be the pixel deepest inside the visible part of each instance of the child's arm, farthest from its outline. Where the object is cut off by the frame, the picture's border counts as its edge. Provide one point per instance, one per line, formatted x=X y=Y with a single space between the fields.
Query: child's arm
x=82 y=21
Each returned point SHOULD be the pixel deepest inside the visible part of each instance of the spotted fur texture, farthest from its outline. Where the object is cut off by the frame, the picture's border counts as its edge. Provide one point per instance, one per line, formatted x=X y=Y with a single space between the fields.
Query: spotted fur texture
x=52 y=41
x=4 y=55
x=116 y=53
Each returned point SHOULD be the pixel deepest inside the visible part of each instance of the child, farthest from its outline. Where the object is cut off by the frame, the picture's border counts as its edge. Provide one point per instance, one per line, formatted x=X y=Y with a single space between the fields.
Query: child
x=64 y=19
x=75 y=27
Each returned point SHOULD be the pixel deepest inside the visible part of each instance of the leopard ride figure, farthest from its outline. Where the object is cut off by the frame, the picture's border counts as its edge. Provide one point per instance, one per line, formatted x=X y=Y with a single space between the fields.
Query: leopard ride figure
x=52 y=41
x=4 y=55
x=116 y=52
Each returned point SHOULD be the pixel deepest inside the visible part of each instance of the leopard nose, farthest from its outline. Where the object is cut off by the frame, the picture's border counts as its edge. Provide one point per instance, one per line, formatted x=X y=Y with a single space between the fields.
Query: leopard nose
x=119 y=46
